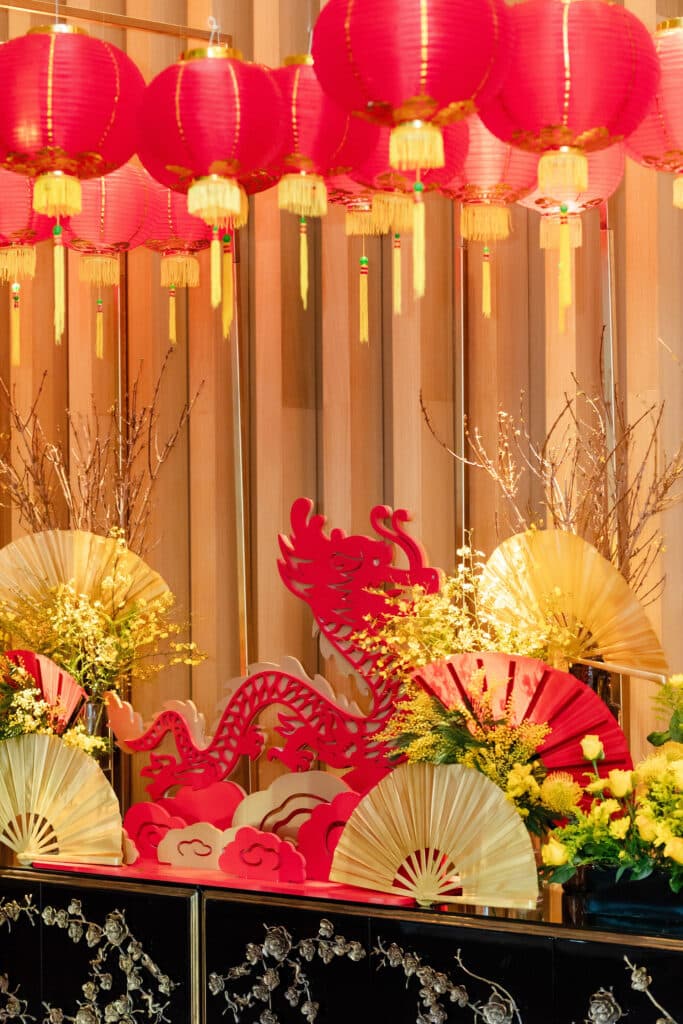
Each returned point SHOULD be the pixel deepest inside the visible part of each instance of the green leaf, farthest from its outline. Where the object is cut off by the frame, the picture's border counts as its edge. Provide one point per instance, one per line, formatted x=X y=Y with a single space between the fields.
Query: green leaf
x=658 y=738
x=676 y=725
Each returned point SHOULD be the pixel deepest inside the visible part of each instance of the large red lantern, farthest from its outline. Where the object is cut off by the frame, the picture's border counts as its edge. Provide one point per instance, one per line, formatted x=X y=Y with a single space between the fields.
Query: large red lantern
x=412 y=65
x=114 y=219
x=658 y=140
x=21 y=228
x=69 y=111
x=582 y=75
x=177 y=236
x=207 y=121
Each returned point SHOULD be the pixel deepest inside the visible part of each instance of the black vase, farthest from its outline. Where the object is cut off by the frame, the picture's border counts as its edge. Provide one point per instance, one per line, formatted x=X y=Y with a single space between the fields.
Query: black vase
x=593 y=897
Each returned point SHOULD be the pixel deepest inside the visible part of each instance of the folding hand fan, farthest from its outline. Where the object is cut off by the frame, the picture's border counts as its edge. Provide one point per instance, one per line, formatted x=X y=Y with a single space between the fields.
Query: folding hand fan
x=57 y=686
x=55 y=803
x=428 y=831
x=34 y=563
x=544 y=574
x=526 y=689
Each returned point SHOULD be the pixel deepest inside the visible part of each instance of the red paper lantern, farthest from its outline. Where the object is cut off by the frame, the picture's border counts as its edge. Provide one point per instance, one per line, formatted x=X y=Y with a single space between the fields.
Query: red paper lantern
x=412 y=65
x=69 y=111
x=207 y=121
x=178 y=237
x=658 y=140
x=582 y=75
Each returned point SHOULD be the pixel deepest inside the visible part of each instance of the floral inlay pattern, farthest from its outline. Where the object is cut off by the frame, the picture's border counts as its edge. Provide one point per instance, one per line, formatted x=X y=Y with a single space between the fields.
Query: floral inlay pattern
x=275 y=970
x=641 y=982
x=437 y=988
x=12 y=1006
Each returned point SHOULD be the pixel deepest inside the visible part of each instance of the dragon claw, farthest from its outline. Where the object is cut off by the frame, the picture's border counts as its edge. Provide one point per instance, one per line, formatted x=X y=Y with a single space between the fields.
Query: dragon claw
x=296 y=760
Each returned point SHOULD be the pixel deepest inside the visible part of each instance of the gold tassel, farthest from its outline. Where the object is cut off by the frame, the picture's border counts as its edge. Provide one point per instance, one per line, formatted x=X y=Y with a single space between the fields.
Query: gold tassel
x=396 y=276
x=99 y=269
x=484 y=222
x=564 y=268
x=486 y=284
x=303 y=262
x=678 y=192
x=419 y=273
x=362 y=222
x=416 y=144
x=179 y=270
x=59 y=273
x=561 y=170
x=364 y=324
x=99 y=330
x=17 y=263
x=216 y=200
x=305 y=194
x=57 y=194
x=172 y=331
x=242 y=217
x=215 y=269
x=393 y=210
x=15 y=327
x=549 y=231
x=228 y=298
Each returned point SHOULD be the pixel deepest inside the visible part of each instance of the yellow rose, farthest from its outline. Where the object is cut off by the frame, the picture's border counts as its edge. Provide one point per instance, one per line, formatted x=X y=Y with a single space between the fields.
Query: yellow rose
x=596 y=787
x=674 y=849
x=620 y=782
x=592 y=748
x=619 y=827
x=554 y=853
x=646 y=827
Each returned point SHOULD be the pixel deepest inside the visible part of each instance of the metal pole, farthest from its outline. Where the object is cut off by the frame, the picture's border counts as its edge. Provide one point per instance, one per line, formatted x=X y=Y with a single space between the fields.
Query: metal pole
x=238 y=470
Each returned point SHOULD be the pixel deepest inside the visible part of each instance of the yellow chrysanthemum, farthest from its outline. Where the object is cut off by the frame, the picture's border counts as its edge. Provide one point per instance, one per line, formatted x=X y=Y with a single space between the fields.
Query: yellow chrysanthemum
x=560 y=793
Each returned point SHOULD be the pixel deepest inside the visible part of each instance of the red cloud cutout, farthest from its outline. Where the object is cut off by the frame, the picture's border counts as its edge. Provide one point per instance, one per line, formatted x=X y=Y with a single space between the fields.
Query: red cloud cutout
x=256 y=854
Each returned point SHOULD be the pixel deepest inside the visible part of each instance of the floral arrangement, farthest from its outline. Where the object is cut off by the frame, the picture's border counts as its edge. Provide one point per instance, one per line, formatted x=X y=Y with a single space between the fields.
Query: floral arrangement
x=23 y=709
x=423 y=729
x=631 y=820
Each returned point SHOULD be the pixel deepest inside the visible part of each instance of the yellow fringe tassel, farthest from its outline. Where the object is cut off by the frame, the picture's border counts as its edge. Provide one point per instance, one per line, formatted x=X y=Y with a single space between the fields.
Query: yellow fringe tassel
x=172 y=331
x=303 y=262
x=549 y=231
x=179 y=270
x=305 y=194
x=215 y=270
x=216 y=200
x=57 y=195
x=678 y=192
x=397 y=289
x=59 y=274
x=17 y=263
x=228 y=297
x=362 y=222
x=242 y=217
x=564 y=270
x=99 y=270
x=561 y=170
x=486 y=284
x=419 y=272
x=14 y=327
x=363 y=318
x=484 y=222
x=416 y=145
x=99 y=330
x=393 y=211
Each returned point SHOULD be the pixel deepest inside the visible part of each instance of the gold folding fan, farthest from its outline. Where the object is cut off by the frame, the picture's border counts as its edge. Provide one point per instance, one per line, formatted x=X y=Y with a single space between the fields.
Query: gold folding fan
x=55 y=803
x=35 y=563
x=543 y=575
x=440 y=834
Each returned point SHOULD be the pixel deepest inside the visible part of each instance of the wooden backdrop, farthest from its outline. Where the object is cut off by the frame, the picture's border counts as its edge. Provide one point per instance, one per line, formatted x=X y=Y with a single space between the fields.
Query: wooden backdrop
x=325 y=416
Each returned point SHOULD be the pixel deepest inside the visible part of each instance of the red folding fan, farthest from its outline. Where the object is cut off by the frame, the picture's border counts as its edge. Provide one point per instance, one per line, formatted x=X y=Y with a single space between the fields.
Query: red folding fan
x=533 y=692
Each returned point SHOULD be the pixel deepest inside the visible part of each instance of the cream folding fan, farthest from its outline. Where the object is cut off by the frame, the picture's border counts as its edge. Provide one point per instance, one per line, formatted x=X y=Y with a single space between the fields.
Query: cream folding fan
x=34 y=563
x=549 y=574
x=440 y=834
x=55 y=803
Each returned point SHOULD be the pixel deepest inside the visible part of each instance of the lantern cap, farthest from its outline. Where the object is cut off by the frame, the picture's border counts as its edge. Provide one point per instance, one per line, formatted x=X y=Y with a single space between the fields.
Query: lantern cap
x=298 y=58
x=213 y=51
x=59 y=29
x=669 y=25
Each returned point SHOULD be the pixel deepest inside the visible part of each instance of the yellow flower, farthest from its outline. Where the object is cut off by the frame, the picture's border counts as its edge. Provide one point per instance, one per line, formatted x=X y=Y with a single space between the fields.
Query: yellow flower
x=592 y=748
x=646 y=827
x=674 y=849
x=619 y=827
x=554 y=853
x=620 y=782
x=601 y=812
x=520 y=781
x=560 y=793
x=596 y=787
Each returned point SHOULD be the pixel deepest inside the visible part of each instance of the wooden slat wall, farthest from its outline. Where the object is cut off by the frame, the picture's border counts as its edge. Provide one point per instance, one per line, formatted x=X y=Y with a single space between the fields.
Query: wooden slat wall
x=323 y=415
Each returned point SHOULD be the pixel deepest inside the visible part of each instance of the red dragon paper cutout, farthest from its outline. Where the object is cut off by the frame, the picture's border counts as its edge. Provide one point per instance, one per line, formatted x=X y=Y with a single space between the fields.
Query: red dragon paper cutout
x=343 y=579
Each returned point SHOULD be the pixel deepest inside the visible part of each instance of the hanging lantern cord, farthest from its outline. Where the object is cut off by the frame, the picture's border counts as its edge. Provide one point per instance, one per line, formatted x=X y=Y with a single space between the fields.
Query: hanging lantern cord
x=215 y=37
